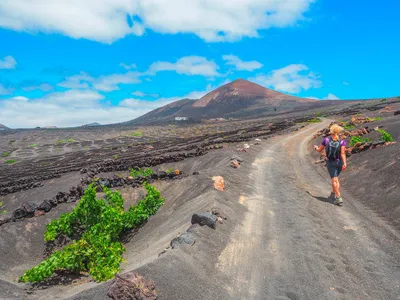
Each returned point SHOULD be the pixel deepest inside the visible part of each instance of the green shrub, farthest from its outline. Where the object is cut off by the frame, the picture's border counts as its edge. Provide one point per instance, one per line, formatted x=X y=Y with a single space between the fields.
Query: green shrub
x=169 y=171
x=2 y=212
x=137 y=133
x=314 y=120
x=5 y=154
x=10 y=161
x=11 y=141
x=33 y=145
x=141 y=172
x=386 y=136
x=65 y=141
x=99 y=222
x=358 y=139
x=115 y=156
x=349 y=127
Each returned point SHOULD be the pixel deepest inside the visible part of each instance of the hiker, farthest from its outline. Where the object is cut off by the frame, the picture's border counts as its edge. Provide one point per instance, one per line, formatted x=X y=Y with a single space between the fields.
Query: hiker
x=335 y=159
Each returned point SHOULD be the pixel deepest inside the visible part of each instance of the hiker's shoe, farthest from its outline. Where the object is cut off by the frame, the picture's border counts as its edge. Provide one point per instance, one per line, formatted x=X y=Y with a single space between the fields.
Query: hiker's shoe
x=338 y=201
x=332 y=197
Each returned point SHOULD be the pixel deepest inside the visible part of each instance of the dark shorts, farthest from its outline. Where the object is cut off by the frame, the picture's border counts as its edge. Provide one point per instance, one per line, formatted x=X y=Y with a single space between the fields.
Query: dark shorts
x=334 y=167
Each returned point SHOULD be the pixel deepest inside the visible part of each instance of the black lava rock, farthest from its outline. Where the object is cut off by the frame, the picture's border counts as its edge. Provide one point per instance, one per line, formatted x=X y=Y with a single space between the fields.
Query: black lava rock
x=185 y=238
x=45 y=206
x=30 y=208
x=205 y=218
x=196 y=173
x=20 y=213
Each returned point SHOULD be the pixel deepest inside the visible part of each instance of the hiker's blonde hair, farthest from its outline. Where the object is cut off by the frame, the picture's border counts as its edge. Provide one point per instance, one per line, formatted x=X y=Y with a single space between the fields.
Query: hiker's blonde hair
x=335 y=130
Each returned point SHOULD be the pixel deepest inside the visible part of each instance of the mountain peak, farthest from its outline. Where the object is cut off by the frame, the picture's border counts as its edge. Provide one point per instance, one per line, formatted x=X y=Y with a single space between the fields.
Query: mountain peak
x=243 y=90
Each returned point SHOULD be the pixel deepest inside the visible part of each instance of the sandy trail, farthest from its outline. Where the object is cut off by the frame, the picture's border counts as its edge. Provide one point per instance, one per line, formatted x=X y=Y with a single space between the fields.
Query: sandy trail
x=294 y=244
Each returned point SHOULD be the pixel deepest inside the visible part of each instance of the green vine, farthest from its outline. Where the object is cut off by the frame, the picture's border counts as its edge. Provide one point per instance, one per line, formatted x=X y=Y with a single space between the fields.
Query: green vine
x=141 y=172
x=99 y=222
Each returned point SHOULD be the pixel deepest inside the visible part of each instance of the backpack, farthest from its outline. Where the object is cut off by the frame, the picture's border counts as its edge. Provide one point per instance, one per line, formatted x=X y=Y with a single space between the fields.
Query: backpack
x=333 y=149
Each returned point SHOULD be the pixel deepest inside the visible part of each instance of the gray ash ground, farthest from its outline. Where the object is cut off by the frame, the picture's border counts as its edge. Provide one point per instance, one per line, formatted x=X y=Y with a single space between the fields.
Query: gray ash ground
x=270 y=247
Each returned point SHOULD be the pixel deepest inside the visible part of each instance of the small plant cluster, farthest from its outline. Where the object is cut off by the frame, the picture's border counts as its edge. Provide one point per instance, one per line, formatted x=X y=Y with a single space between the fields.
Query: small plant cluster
x=386 y=136
x=141 y=172
x=99 y=223
x=349 y=127
x=314 y=120
x=10 y=161
x=358 y=139
x=33 y=145
x=137 y=133
x=65 y=141
x=2 y=211
x=5 y=154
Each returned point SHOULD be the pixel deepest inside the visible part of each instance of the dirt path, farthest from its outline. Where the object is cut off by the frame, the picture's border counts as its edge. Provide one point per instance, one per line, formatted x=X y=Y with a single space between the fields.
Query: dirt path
x=294 y=244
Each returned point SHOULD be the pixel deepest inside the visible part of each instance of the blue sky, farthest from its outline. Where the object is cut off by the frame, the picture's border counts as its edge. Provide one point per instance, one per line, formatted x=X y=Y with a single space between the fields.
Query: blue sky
x=77 y=62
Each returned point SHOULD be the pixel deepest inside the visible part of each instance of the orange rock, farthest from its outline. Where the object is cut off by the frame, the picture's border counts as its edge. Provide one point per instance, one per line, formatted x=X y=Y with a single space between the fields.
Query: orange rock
x=219 y=183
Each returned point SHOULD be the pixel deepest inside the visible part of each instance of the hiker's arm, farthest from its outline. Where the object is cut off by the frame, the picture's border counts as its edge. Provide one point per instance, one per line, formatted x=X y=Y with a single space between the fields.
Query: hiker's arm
x=343 y=154
x=320 y=148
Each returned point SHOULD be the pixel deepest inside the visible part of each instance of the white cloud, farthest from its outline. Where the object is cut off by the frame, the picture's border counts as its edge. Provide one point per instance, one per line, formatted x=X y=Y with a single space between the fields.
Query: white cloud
x=44 y=87
x=19 y=98
x=241 y=65
x=4 y=90
x=141 y=94
x=128 y=67
x=106 y=20
x=188 y=65
x=77 y=107
x=104 y=83
x=7 y=62
x=290 y=79
x=331 y=97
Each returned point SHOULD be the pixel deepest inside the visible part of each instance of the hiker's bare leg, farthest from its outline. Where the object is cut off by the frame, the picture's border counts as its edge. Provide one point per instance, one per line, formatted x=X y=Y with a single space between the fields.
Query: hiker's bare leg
x=336 y=186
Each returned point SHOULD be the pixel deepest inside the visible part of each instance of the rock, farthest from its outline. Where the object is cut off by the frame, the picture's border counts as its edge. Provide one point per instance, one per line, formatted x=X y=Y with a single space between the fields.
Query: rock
x=20 y=213
x=131 y=286
x=186 y=238
x=105 y=183
x=205 y=218
x=235 y=164
x=45 y=206
x=196 y=173
x=219 y=183
x=237 y=158
x=396 y=113
x=53 y=201
x=257 y=140
x=246 y=146
x=30 y=208
x=5 y=219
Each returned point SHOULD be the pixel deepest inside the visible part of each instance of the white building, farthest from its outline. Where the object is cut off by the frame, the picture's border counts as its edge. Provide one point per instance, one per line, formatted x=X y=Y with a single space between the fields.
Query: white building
x=181 y=118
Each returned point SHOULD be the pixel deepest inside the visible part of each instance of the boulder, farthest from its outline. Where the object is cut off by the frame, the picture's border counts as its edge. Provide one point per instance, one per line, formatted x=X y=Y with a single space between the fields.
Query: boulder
x=30 y=208
x=131 y=286
x=205 y=218
x=186 y=238
x=20 y=213
x=196 y=173
x=45 y=206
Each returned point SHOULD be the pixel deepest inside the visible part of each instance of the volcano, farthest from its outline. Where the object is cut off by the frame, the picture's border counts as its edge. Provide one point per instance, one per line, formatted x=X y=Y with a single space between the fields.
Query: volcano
x=238 y=99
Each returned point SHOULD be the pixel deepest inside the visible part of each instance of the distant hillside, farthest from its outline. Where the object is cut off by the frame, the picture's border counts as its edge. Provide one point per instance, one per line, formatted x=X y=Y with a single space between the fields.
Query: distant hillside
x=3 y=127
x=238 y=99
x=92 y=124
